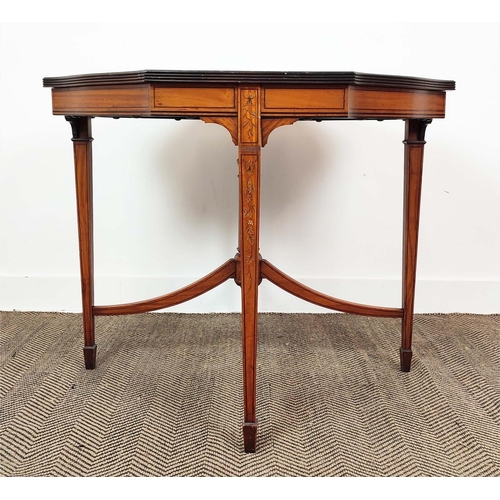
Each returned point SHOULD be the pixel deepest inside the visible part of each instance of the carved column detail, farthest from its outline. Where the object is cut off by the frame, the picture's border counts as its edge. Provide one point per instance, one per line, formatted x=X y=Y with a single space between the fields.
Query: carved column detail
x=249 y=133
x=249 y=226
x=249 y=126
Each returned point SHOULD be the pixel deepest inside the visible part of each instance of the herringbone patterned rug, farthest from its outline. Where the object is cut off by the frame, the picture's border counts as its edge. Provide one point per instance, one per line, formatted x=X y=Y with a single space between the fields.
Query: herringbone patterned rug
x=166 y=398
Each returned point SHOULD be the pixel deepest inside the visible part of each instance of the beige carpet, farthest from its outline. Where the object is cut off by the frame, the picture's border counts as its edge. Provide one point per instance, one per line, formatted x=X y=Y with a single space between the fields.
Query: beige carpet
x=166 y=398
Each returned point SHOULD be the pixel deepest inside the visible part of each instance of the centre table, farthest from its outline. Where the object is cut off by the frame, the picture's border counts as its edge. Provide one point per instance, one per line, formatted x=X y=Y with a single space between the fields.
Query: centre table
x=250 y=105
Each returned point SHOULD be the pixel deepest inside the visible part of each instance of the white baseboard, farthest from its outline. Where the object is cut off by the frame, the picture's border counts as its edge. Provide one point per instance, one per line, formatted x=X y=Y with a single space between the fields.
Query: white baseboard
x=62 y=293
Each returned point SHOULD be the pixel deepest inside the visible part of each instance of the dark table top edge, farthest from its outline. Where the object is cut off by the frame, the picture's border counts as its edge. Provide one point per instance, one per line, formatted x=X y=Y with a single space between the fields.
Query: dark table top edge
x=242 y=77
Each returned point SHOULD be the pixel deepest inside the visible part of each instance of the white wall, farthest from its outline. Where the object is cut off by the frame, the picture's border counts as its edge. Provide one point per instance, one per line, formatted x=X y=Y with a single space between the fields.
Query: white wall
x=166 y=191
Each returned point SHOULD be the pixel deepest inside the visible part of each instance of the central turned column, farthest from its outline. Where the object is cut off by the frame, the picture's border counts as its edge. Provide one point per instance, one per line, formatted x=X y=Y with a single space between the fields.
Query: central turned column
x=249 y=145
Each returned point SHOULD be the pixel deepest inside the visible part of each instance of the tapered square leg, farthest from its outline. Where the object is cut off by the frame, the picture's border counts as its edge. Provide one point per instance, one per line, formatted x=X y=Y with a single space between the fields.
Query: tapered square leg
x=413 y=165
x=82 y=150
x=249 y=145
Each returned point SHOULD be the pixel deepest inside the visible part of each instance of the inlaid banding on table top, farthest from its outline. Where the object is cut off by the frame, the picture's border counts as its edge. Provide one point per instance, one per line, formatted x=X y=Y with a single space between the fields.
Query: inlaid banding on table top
x=195 y=98
x=127 y=99
x=374 y=102
x=196 y=101
x=312 y=100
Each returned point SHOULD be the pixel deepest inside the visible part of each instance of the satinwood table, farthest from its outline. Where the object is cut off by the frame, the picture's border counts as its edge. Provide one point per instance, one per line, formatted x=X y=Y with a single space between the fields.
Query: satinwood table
x=250 y=105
